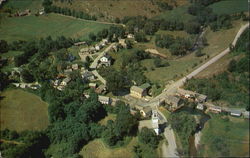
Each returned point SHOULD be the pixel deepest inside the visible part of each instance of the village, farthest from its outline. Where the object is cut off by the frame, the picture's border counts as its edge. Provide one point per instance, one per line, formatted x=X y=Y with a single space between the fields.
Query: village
x=138 y=98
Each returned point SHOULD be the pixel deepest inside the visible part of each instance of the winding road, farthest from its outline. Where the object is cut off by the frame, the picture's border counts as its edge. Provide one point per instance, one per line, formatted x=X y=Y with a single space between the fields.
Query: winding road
x=170 y=149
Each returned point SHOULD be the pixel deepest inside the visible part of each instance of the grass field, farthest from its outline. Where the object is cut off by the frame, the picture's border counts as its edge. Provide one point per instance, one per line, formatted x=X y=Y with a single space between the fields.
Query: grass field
x=109 y=117
x=32 y=27
x=230 y=6
x=218 y=67
x=20 y=110
x=235 y=133
x=97 y=149
x=178 y=14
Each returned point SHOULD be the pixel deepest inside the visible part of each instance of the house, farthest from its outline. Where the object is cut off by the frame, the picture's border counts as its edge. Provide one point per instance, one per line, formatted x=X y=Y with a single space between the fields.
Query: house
x=92 y=85
x=200 y=106
x=137 y=92
x=79 y=43
x=245 y=114
x=104 y=99
x=101 y=89
x=115 y=48
x=146 y=111
x=56 y=83
x=84 y=50
x=65 y=81
x=105 y=60
x=75 y=66
x=67 y=71
x=235 y=113
x=122 y=42
x=130 y=36
x=201 y=98
x=185 y=93
x=41 y=11
x=173 y=101
x=88 y=76
x=98 y=47
x=214 y=109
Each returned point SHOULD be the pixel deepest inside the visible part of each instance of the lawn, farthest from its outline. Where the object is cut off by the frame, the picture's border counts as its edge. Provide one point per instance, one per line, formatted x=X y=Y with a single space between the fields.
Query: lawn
x=230 y=6
x=32 y=27
x=97 y=149
x=235 y=133
x=21 y=110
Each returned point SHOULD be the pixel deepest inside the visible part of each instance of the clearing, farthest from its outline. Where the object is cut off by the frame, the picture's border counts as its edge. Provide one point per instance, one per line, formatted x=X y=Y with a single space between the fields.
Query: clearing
x=32 y=27
x=21 y=110
x=97 y=149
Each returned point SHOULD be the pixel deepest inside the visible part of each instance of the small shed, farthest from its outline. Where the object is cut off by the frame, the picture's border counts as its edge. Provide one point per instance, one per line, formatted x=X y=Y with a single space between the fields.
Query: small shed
x=235 y=113
x=92 y=85
x=200 y=106
x=201 y=98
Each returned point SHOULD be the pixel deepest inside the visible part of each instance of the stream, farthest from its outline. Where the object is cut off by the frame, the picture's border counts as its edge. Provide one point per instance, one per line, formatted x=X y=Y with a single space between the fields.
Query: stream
x=203 y=119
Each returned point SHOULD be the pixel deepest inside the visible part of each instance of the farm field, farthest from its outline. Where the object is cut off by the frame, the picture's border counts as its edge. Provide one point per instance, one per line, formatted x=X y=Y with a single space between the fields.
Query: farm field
x=234 y=133
x=97 y=149
x=22 y=110
x=230 y=6
x=32 y=27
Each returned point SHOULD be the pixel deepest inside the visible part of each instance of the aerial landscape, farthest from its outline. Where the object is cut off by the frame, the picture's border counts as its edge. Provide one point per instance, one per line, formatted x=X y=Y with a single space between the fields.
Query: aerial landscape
x=124 y=78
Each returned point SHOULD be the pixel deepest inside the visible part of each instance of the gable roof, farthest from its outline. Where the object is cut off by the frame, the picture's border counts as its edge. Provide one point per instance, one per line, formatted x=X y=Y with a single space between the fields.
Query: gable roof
x=137 y=89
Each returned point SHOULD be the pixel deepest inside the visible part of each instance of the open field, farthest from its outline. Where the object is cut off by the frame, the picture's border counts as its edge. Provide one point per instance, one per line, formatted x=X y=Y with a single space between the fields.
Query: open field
x=235 y=133
x=218 y=67
x=109 y=117
x=21 y=110
x=230 y=6
x=97 y=149
x=178 y=14
x=109 y=9
x=32 y=27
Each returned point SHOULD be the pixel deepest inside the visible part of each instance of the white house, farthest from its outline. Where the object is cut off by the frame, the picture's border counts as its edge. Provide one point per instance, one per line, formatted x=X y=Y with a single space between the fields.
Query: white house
x=104 y=99
x=130 y=36
x=200 y=106
x=105 y=60
x=65 y=81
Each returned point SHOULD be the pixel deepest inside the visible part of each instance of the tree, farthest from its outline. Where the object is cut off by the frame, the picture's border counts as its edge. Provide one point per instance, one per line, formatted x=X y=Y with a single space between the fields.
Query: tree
x=232 y=65
x=147 y=136
x=27 y=76
x=3 y=46
x=140 y=37
x=192 y=27
x=92 y=37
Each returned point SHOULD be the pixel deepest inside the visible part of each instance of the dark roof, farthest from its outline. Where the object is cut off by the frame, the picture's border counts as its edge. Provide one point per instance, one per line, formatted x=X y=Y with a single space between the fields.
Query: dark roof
x=145 y=86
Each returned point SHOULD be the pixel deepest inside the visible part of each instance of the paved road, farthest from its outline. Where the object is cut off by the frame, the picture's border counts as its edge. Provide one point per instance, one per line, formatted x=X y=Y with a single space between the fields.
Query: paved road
x=170 y=149
x=95 y=63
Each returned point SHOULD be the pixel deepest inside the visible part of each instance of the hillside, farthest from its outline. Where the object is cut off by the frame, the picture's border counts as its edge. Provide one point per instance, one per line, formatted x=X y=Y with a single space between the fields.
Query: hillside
x=110 y=9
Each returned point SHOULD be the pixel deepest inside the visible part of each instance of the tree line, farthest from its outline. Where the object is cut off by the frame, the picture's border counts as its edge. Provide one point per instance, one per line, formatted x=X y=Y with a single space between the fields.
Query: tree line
x=48 y=8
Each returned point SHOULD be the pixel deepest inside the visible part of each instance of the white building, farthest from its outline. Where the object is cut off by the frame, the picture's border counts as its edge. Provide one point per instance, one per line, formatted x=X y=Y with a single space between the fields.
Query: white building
x=105 y=60
x=155 y=121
